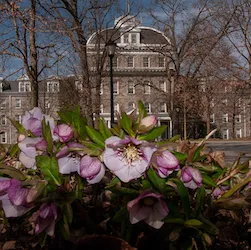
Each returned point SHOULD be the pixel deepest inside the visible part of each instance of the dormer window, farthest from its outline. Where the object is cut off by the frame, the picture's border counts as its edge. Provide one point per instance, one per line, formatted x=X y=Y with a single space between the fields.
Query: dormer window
x=126 y=38
x=24 y=86
x=53 y=87
x=131 y=38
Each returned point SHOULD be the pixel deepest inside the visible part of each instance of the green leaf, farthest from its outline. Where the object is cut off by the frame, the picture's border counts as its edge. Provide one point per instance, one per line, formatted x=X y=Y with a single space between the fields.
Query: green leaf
x=153 y=134
x=120 y=215
x=181 y=157
x=68 y=212
x=208 y=226
x=18 y=126
x=12 y=172
x=200 y=198
x=103 y=129
x=158 y=182
x=46 y=131
x=146 y=184
x=113 y=183
x=184 y=196
x=95 y=136
x=197 y=153
x=79 y=123
x=126 y=124
x=64 y=228
x=14 y=150
x=124 y=190
x=208 y=180
x=142 y=111
x=193 y=223
x=177 y=221
x=36 y=190
x=49 y=168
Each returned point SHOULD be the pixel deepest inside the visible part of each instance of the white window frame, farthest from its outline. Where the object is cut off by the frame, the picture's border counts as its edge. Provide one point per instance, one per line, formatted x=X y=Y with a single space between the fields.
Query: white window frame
x=79 y=86
x=238 y=118
x=147 y=88
x=225 y=118
x=24 y=87
x=224 y=102
x=3 y=104
x=18 y=118
x=165 y=108
x=238 y=132
x=101 y=108
x=129 y=108
x=212 y=118
x=225 y=135
x=101 y=88
x=136 y=40
x=116 y=87
x=164 y=85
x=129 y=62
x=4 y=135
x=161 y=64
x=130 y=87
x=3 y=120
x=149 y=111
x=126 y=38
x=52 y=87
x=19 y=102
x=116 y=108
x=146 y=62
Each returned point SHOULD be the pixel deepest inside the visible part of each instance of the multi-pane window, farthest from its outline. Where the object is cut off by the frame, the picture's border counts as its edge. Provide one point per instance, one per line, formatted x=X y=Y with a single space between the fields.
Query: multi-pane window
x=126 y=38
x=148 y=107
x=18 y=102
x=161 y=61
x=2 y=104
x=101 y=89
x=147 y=88
x=53 y=87
x=130 y=62
x=3 y=137
x=24 y=87
x=130 y=87
x=162 y=107
x=18 y=118
x=116 y=88
x=116 y=108
x=225 y=118
x=133 y=38
x=145 y=62
x=3 y=120
x=131 y=106
x=47 y=104
x=212 y=118
x=225 y=134
x=238 y=133
x=238 y=118
x=162 y=86
x=115 y=62
x=101 y=108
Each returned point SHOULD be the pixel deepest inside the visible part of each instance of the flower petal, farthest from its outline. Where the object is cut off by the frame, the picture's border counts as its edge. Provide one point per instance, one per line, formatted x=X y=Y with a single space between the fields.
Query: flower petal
x=98 y=177
x=138 y=213
x=68 y=164
x=16 y=193
x=28 y=162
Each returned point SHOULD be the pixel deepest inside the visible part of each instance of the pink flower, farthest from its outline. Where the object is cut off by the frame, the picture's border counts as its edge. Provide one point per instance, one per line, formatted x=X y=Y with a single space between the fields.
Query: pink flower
x=64 y=132
x=45 y=219
x=92 y=169
x=166 y=163
x=147 y=124
x=150 y=207
x=129 y=158
x=191 y=177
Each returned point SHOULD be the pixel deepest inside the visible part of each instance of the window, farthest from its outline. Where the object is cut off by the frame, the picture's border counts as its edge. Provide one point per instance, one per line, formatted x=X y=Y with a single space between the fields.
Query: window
x=238 y=118
x=162 y=107
x=238 y=133
x=130 y=87
x=18 y=103
x=133 y=38
x=79 y=86
x=3 y=138
x=24 y=87
x=115 y=62
x=3 y=120
x=126 y=38
x=53 y=87
x=116 y=88
x=147 y=88
x=131 y=106
x=130 y=61
x=224 y=102
x=18 y=118
x=145 y=62
x=225 y=134
x=162 y=86
x=47 y=104
x=225 y=118
x=1 y=87
x=161 y=62
x=212 y=103
x=101 y=89
x=2 y=104
x=116 y=108
x=101 y=108
x=147 y=107
x=212 y=120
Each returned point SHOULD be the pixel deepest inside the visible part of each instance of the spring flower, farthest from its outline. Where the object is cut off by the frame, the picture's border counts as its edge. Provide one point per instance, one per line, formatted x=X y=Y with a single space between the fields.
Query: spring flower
x=218 y=191
x=150 y=207
x=69 y=161
x=147 y=124
x=165 y=163
x=91 y=169
x=191 y=177
x=64 y=132
x=28 y=152
x=45 y=219
x=128 y=158
x=13 y=197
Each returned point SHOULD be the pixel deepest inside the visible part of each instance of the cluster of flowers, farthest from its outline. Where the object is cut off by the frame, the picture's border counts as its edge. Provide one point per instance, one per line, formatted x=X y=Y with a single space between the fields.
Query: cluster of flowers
x=128 y=158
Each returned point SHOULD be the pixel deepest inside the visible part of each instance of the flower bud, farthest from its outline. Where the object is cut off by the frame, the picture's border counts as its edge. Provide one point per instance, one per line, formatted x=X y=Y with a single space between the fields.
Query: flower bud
x=191 y=177
x=64 y=132
x=20 y=137
x=147 y=124
x=91 y=169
